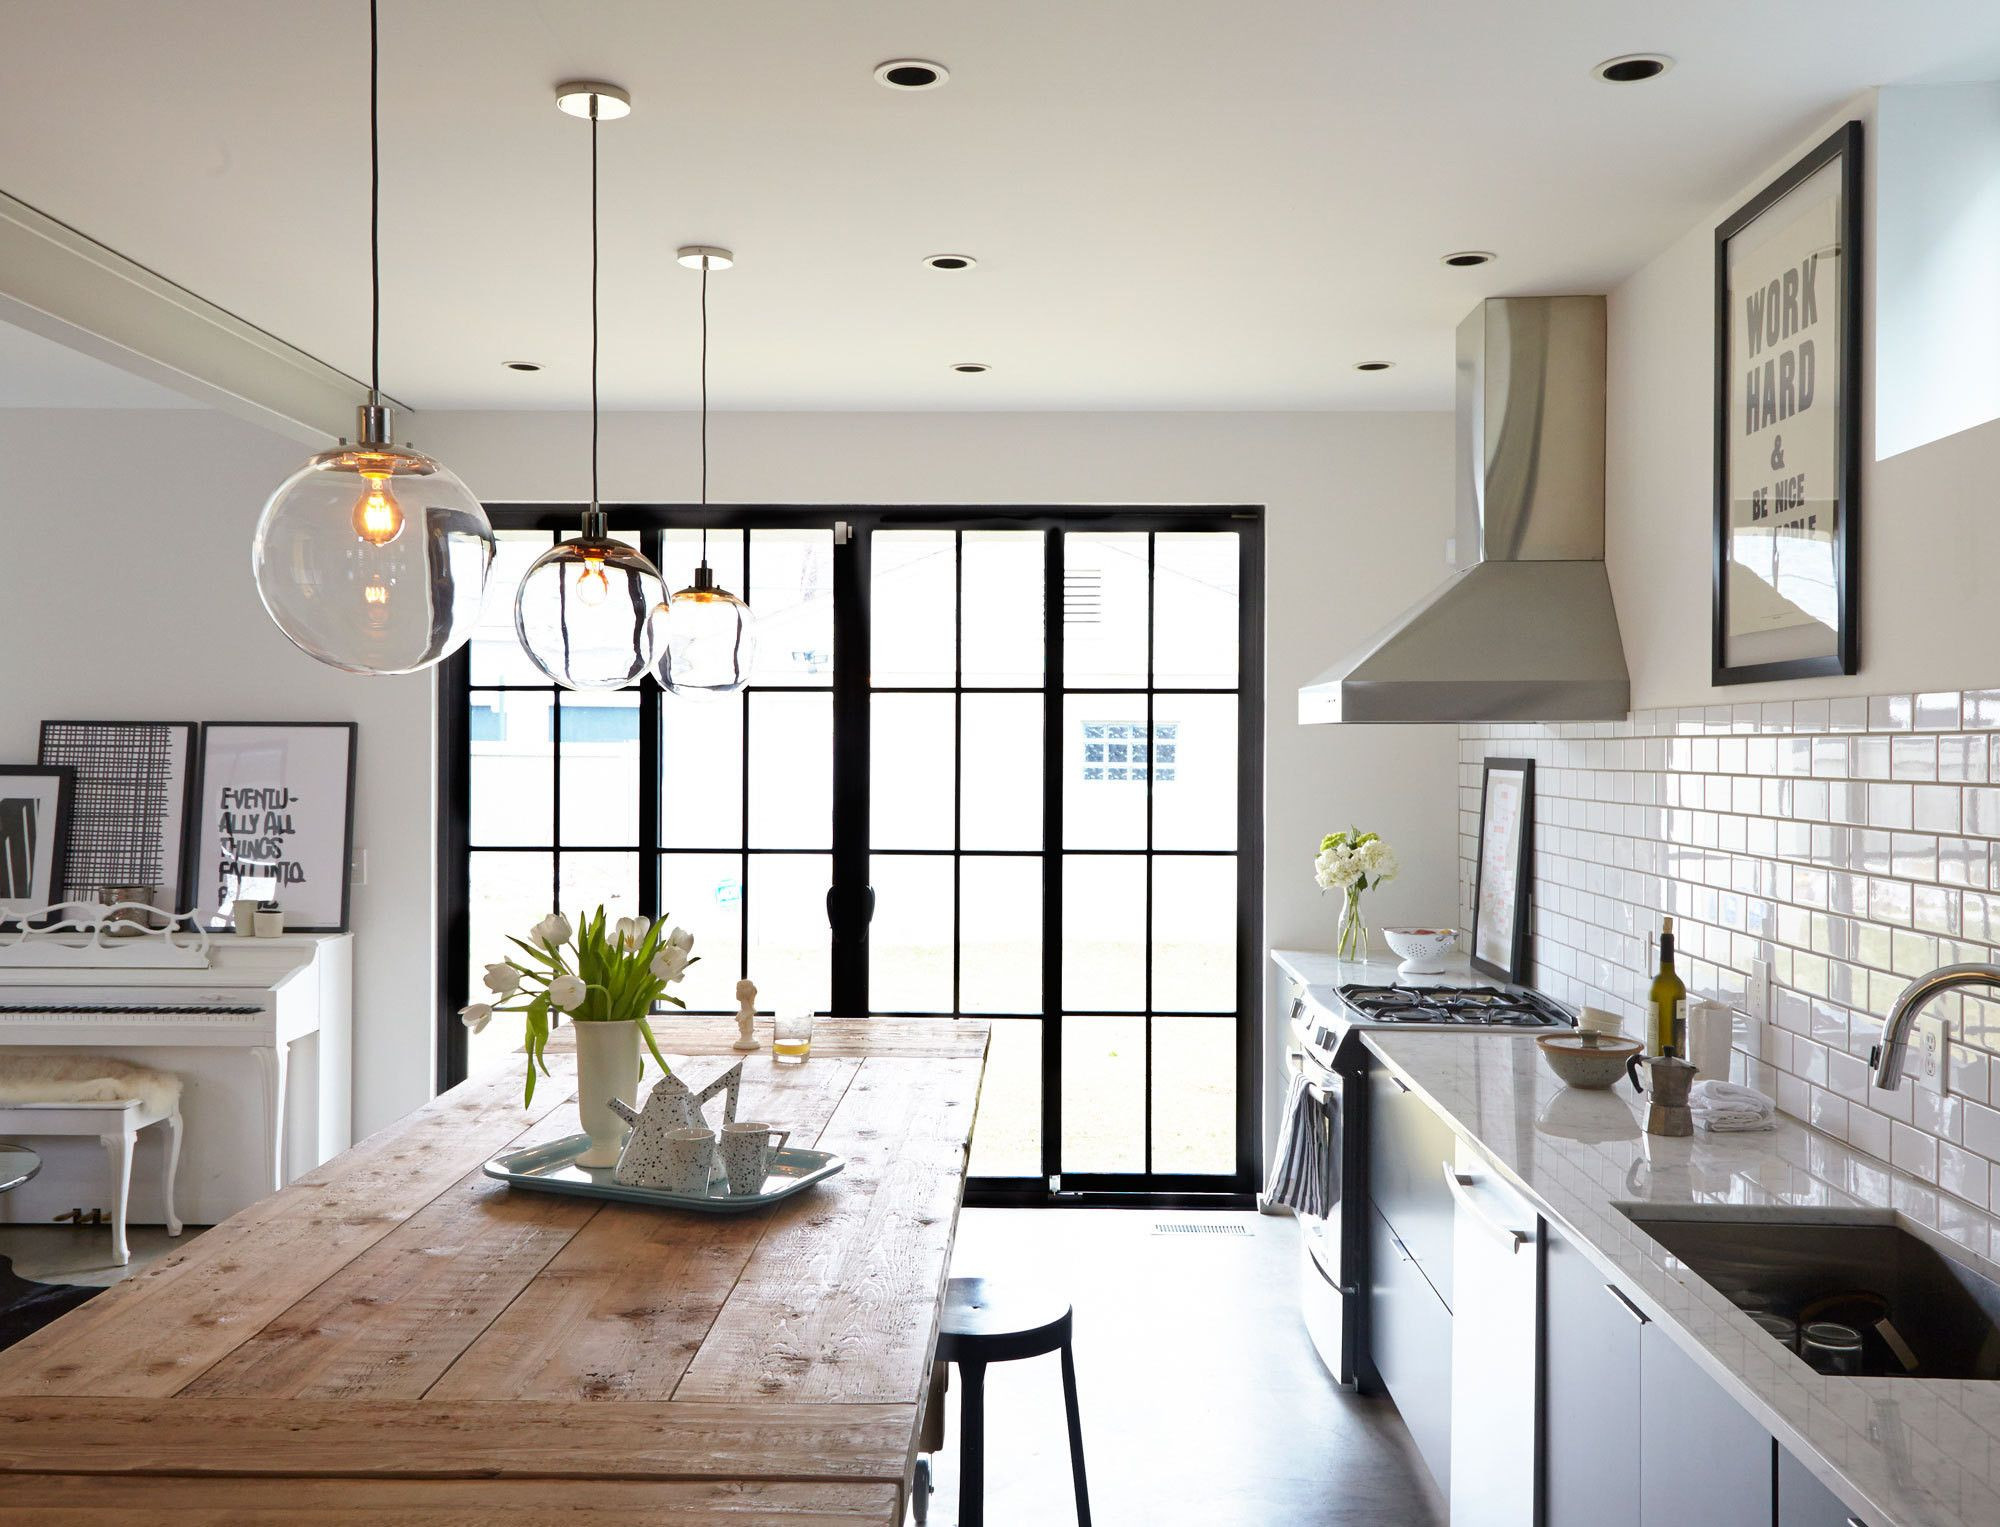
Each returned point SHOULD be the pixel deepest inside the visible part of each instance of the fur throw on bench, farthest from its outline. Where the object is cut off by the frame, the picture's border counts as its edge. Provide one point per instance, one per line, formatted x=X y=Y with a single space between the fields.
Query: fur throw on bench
x=33 y=1076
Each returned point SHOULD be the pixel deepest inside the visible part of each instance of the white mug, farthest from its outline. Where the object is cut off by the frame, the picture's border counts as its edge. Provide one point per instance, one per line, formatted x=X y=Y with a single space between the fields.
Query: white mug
x=687 y=1159
x=746 y=1155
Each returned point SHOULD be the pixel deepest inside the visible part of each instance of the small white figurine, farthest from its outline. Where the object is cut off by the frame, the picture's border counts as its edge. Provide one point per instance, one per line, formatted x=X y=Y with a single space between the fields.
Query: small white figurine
x=746 y=1015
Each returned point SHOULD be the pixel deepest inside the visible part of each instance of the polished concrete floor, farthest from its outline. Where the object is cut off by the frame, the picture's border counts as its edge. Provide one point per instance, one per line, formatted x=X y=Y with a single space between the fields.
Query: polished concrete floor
x=1203 y=1403
x=82 y=1253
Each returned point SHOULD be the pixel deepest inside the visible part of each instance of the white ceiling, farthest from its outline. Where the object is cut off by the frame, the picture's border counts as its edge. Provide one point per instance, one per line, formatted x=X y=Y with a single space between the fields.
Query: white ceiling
x=39 y=373
x=1176 y=203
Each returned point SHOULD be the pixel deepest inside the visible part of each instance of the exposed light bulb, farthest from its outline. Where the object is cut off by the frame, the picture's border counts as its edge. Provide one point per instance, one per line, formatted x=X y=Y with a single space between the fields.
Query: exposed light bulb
x=376 y=593
x=591 y=584
x=378 y=518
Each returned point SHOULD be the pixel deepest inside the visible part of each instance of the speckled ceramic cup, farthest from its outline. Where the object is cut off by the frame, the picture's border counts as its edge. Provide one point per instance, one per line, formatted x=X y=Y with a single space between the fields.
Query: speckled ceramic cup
x=746 y=1155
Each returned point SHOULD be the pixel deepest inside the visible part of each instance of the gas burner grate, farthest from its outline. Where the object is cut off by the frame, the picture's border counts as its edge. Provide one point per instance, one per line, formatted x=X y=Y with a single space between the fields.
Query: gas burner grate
x=1454 y=1006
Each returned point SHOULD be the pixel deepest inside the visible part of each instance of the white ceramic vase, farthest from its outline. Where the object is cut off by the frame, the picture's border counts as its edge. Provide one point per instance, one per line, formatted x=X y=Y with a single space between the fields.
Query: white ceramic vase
x=607 y=1066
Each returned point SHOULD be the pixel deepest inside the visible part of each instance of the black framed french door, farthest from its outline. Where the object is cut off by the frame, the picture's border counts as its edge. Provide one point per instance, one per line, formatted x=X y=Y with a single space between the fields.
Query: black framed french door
x=1001 y=763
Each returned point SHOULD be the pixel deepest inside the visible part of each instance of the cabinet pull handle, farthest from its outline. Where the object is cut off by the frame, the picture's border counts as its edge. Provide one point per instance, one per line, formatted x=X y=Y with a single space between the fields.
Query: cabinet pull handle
x=1630 y=1308
x=1458 y=1184
x=1401 y=1085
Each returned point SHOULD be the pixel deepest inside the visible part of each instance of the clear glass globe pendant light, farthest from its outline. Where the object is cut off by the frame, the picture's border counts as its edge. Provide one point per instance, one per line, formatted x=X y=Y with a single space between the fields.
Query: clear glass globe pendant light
x=372 y=557
x=587 y=609
x=707 y=641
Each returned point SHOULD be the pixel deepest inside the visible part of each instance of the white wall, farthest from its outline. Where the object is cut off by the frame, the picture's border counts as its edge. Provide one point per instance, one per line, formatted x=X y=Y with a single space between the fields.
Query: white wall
x=126 y=570
x=1929 y=536
x=1937 y=227
x=125 y=593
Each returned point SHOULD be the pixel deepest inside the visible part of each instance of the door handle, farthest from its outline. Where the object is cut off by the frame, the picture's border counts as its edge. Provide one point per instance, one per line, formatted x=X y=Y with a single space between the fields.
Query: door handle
x=1459 y=1184
x=1630 y=1308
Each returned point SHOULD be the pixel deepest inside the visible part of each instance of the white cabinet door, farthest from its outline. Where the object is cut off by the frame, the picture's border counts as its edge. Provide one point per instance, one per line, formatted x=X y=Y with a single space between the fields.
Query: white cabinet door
x=1493 y=1346
x=1702 y=1459
x=1590 y=1377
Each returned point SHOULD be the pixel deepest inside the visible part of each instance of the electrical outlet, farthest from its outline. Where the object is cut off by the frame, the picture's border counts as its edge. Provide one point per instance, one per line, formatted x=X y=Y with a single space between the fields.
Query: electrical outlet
x=1929 y=1056
x=1757 y=991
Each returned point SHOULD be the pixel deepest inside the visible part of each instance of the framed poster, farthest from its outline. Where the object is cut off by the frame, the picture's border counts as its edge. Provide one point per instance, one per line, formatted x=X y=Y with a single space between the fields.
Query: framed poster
x=129 y=812
x=1504 y=870
x=1788 y=423
x=276 y=823
x=34 y=835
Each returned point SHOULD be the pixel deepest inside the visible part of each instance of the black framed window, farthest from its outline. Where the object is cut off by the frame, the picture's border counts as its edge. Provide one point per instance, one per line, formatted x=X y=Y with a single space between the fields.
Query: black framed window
x=995 y=763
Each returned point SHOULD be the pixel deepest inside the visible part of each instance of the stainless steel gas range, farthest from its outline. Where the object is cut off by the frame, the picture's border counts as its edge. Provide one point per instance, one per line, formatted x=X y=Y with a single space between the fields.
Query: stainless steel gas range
x=1321 y=1008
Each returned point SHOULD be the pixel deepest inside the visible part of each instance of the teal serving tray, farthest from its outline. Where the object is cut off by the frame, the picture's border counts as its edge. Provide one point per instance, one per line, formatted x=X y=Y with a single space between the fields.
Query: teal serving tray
x=553 y=1168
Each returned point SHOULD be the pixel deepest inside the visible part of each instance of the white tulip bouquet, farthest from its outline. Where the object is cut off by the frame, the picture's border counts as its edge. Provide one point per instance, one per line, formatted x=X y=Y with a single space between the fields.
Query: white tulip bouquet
x=1351 y=862
x=593 y=973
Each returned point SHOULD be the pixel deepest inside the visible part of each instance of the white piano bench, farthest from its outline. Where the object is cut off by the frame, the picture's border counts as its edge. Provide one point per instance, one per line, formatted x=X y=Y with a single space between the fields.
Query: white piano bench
x=31 y=1104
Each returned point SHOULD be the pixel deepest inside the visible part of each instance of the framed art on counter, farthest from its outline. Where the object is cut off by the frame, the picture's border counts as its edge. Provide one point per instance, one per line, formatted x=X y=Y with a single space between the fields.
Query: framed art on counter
x=1503 y=874
x=1788 y=424
x=276 y=821
x=129 y=811
x=34 y=835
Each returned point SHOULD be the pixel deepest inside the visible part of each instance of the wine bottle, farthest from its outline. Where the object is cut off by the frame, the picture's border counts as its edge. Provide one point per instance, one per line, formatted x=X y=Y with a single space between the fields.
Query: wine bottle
x=1666 y=1008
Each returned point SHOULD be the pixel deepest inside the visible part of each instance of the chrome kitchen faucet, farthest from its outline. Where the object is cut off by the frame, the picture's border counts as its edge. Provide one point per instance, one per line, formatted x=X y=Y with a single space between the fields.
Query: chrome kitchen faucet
x=1887 y=1057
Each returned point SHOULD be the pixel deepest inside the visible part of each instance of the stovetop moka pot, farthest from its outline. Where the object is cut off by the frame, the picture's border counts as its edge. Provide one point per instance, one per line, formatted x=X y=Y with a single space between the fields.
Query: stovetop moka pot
x=1671 y=1078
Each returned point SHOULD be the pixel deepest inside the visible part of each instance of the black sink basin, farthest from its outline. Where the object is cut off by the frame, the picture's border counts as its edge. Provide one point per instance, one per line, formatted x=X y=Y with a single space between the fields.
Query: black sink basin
x=1841 y=1265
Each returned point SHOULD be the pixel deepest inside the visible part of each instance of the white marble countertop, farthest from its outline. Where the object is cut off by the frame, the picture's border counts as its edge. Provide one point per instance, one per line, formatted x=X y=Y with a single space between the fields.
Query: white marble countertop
x=1901 y=1452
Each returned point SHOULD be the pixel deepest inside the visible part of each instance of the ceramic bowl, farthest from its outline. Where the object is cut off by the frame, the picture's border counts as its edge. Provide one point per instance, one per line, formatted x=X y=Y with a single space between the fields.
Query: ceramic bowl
x=1583 y=1060
x=1422 y=950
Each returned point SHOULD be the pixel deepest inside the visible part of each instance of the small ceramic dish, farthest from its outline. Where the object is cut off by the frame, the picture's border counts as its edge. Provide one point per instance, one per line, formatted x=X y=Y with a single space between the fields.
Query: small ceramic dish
x=1422 y=950
x=1587 y=1060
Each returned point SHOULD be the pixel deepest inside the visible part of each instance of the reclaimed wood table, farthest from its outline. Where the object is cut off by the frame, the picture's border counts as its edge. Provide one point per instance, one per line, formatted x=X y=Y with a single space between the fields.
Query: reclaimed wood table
x=396 y=1338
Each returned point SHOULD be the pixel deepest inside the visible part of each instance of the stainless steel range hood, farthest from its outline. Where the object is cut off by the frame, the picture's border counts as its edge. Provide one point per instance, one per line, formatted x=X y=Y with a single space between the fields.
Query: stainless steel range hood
x=1525 y=630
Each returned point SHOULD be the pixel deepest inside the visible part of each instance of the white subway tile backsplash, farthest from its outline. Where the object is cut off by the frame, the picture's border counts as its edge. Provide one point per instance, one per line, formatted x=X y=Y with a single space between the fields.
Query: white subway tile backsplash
x=1849 y=843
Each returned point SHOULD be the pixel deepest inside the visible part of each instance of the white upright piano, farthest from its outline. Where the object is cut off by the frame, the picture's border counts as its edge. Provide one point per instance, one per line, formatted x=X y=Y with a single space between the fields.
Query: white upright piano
x=260 y=1039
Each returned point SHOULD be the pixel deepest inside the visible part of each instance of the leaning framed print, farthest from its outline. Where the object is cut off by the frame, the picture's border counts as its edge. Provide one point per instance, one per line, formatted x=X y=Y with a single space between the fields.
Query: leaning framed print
x=34 y=836
x=1788 y=424
x=1503 y=872
x=276 y=821
x=128 y=821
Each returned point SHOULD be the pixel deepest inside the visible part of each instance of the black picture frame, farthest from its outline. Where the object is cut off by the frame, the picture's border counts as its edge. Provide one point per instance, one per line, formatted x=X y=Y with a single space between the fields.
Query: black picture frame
x=92 y=817
x=1520 y=859
x=210 y=731
x=64 y=779
x=1844 y=147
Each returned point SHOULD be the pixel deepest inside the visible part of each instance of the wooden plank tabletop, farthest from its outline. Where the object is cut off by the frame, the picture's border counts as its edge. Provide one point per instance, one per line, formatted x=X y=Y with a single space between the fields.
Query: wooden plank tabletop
x=398 y=1338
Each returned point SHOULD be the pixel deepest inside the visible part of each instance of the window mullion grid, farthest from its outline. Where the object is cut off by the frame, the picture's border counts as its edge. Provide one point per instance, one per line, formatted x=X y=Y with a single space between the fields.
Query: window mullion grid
x=1053 y=555
x=743 y=801
x=957 y=767
x=652 y=752
x=1146 y=934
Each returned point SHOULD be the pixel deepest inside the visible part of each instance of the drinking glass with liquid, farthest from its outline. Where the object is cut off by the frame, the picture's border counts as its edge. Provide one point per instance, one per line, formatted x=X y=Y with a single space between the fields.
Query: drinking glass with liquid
x=791 y=1038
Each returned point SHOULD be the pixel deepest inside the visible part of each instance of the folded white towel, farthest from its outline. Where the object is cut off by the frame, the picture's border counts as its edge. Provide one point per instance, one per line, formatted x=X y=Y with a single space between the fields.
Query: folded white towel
x=1725 y=1122
x=1729 y=1097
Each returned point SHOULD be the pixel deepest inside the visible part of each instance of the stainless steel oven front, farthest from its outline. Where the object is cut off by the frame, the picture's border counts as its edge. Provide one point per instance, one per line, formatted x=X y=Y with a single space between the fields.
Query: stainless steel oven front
x=1327 y=1283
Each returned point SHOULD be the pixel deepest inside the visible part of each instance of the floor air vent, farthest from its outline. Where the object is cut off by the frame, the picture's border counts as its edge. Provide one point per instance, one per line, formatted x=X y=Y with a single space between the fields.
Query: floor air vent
x=1163 y=1227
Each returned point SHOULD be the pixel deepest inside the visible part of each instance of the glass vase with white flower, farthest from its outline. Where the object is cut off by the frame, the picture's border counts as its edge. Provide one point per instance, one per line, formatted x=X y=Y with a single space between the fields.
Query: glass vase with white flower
x=1352 y=862
x=607 y=978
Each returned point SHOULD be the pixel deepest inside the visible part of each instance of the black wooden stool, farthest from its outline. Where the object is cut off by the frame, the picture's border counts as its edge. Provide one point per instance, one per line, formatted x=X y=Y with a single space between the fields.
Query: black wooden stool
x=998 y=1323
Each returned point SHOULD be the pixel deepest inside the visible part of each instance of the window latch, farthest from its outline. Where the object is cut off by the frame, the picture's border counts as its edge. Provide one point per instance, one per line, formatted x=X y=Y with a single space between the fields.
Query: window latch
x=843 y=532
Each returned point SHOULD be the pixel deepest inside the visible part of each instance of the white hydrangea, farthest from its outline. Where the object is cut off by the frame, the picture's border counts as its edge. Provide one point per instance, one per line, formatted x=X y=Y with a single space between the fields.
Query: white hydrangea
x=1351 y=859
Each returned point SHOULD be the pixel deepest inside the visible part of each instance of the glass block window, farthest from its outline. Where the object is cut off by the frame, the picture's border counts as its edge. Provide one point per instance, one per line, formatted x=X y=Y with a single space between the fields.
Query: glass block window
x=1121 y=752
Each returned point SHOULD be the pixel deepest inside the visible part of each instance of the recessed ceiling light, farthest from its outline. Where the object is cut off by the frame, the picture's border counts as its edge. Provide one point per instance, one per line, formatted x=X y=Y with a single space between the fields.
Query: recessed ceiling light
x=1373 y=365
x=971 y=368
x=523 y=366
x=705 y=257
x=1630 y=68
x=912 y=74
x=950 y=262
x=575 y=96
x=1465 y=257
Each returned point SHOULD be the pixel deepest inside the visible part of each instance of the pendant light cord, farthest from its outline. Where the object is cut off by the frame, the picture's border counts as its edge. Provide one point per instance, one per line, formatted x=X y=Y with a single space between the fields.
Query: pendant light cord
x=374 y=210
x=593 y=303
x=704 y=410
